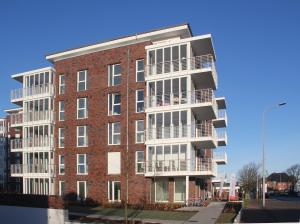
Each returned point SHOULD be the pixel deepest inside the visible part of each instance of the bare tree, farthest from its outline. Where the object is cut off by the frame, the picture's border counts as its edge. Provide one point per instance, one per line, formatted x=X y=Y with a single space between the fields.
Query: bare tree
x=294 y=174
x=248 y=176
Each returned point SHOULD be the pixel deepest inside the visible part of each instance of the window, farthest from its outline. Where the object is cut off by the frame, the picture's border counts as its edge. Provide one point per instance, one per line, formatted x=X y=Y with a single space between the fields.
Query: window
x=61 y=137
x=82 y=167
x=61 y=188
x=114 y=133
x=114 y=103
x=140 y=71
x=61 y=84
x=139 y=158
x=114 y=191
x=114 y=73
x=61 y=159
x=82 y=80
x=114 y=163
x=81 y=190
x=82 y=138
x=139 y=131
x=140 y=100
x=161 y=191
x=61 y=110
x=82 y=111
x=179 y=191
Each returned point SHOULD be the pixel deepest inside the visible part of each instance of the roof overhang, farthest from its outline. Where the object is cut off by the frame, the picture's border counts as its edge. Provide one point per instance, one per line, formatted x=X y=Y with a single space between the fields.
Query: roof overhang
x=19 y=76
x=182 y=31
x=14 y=110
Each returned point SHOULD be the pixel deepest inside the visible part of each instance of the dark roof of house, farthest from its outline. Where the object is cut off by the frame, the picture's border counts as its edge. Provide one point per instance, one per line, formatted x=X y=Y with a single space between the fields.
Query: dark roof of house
x=278 y=177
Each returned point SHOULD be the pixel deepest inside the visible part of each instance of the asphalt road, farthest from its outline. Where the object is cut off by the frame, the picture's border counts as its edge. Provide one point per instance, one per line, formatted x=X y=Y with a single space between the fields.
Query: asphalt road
x=278 y=209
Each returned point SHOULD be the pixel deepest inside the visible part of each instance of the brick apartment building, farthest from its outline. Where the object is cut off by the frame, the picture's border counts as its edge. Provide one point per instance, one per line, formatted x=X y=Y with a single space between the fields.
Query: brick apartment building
x=279 y=182
x=143 y=103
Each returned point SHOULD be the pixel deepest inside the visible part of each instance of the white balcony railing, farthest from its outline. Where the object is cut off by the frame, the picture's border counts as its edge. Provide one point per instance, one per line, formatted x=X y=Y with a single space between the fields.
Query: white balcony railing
x=32 y=168
x=182 y=131
x=179 y=165
x=38 y=142
x=16 y=119
x=16 y=144
x=222 y=135
x=31 y=91
x=183 y=64
x=220 y=156
x=47 y=115
x=189 y=97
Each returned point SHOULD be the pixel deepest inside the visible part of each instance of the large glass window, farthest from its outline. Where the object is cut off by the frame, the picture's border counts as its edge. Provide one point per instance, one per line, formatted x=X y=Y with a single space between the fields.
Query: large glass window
x=179 y=192
x=82 y=137
x=161 y=191
x=61 y=110
x=114 y=75
x=114 y=133
x=114 y=104
x=139 y=158
x=114 y=191
x=61 y=84
x=82 y=108
x=81 y=190
x=140 y=100
x=82 y=167
x=61 y=137
x=139 y=130
x=82 y=80
x=140 y=71
x=61 y=159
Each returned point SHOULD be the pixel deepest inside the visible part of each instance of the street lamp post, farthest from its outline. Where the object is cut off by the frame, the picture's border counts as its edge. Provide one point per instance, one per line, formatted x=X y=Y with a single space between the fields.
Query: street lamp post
x=263 y=149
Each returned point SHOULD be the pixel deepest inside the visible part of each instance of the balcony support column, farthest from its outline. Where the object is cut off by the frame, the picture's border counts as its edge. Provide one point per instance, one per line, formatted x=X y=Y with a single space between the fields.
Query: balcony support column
x=187 y=189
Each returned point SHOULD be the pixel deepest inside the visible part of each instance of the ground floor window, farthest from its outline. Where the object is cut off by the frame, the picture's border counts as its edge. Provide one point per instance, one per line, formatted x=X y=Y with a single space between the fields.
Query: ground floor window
x=114 y=191
x=179 y=191
x=81 y=190
x=61 y=188
x=161 y=191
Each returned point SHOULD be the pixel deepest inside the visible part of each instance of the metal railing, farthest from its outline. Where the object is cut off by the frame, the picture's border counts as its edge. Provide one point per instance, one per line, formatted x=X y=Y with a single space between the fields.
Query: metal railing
x=16 y=143
x=193 y=63
x=38 y=142
x=31 y=91
x=32 y=168
x=47 y=115
x=220 y=156
x=177 y=165
x=222 y=135
x=16 y=119
x=189 y=97
x=182 y=131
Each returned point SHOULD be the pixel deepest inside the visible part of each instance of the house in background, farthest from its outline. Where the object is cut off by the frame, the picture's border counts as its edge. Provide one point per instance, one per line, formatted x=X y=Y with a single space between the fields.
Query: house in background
x=278 y=182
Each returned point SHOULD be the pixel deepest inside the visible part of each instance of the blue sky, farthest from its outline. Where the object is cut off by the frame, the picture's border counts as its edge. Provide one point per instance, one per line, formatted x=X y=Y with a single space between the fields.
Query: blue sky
x=257 y=46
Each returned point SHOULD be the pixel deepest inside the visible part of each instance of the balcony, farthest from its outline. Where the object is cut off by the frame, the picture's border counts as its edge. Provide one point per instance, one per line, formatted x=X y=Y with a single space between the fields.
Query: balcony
x=201 y=101
x=39 y=142
x=16 y=119
x=221 y=120
x=220 y=158
x=18 y=170
x=202 y=135
x=16 y=145
x=18 y=95
x=181 y=167
x=201 y=68
x=38 y=116
x=222 y=138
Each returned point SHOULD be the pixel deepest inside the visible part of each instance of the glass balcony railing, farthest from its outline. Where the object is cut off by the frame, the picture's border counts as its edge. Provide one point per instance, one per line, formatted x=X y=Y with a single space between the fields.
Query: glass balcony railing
x=18 y=94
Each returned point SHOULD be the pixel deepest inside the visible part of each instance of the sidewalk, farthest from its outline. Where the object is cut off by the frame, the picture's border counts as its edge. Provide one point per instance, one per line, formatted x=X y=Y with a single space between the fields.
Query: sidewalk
x=209 y=214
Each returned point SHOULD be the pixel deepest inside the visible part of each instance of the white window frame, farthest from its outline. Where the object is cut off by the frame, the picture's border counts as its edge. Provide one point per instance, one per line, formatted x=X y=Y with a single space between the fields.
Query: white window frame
x=113 y=191
x=85 y=136
x=61 y=166
x=85 y=108
x=139 y=132
x=111 y=97
x=61 y=112
x=85 y=189
x=112 y=125
x=137 y=71
x=61 y=138
x=59 y=187
x=139 y=101
x=112 y=67
x=62 y=86
x=82 y=164
x=85 y=80
x=139 y=162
